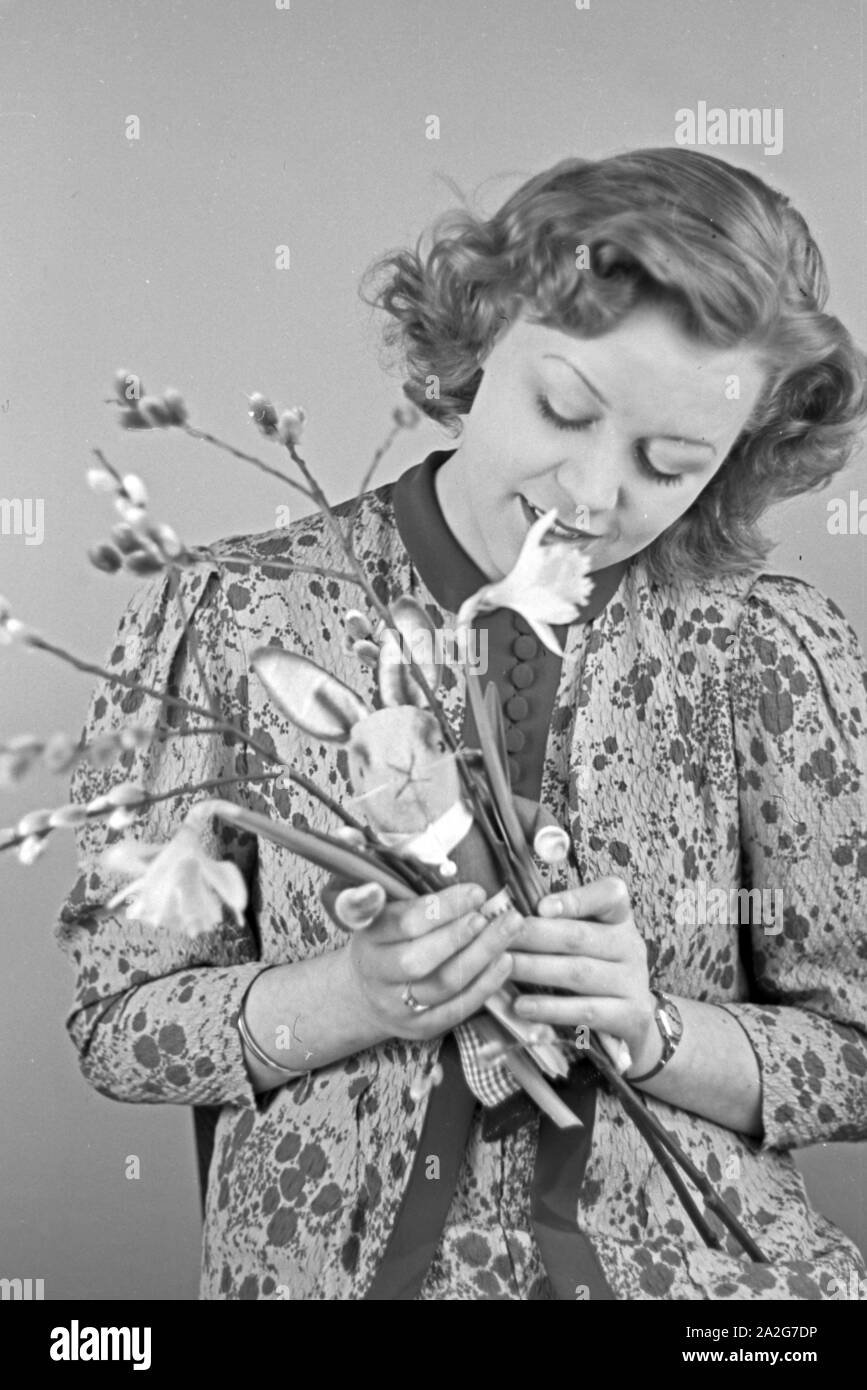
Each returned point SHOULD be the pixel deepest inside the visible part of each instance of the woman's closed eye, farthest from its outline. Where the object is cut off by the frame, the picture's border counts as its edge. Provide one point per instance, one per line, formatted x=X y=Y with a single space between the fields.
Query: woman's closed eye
x=561 y=423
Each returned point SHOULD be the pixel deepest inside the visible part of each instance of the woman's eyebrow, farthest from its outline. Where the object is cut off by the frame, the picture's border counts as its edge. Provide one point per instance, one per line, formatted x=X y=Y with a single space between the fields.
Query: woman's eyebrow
x=674 y=438
x=557 y=357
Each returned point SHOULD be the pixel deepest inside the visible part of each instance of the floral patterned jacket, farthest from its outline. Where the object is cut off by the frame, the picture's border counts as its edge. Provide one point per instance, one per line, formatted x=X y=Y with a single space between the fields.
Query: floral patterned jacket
x=705 y=736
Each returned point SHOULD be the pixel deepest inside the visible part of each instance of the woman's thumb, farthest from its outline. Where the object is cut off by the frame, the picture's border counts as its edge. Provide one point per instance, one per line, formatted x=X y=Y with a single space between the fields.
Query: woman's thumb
x=352 y=905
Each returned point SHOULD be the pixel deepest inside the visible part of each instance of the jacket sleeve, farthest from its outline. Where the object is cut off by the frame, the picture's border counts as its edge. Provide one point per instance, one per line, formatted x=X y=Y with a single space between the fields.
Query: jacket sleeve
x=155 y=1012
x=798 y=705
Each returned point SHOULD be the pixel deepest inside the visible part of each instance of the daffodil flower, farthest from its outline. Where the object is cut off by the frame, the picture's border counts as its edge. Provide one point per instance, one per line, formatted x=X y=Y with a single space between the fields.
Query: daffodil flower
x=548 y=584
x=177 y=885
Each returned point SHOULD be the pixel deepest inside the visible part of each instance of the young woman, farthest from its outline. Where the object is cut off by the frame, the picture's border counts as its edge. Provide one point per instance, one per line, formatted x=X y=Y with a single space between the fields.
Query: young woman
x=639 y=342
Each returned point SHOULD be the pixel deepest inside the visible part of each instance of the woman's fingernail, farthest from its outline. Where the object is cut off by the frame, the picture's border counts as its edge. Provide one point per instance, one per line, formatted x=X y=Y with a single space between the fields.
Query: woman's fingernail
x=551 y=907
x=477 y=922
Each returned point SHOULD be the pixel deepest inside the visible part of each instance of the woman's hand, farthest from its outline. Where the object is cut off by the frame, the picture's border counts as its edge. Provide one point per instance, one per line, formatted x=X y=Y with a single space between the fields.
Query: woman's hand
x=585 y=940
x=448 y=955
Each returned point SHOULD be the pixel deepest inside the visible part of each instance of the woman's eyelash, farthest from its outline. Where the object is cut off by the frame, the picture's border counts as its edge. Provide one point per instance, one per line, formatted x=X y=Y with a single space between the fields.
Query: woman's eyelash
x=546 y=411
x=549 y=414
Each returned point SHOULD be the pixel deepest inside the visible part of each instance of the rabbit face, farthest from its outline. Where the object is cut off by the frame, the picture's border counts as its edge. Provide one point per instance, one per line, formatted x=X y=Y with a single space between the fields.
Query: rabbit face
x=400 y=765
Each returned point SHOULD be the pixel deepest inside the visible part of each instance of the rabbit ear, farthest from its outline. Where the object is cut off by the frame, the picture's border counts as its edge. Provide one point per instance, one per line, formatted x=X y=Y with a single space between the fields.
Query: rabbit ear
x=314 y=700
x=396 y=683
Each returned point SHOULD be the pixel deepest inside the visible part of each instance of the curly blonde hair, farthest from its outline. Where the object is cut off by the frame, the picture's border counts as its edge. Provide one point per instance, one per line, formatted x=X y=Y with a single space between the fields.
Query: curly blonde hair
x=729 y=256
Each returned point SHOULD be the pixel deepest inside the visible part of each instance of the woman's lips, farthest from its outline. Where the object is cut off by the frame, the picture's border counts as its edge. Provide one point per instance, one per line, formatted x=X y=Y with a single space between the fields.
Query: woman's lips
x=559 y=529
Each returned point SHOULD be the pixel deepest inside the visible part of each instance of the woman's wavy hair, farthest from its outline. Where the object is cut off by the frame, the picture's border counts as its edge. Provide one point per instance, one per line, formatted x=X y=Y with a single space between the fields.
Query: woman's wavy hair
x=712 y=244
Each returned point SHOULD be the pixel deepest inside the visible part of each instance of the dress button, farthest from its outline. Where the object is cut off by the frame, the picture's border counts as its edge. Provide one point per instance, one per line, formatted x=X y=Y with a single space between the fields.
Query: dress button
x=522 y=675
x=521 y=624
x=525 y=648
x=515 y=740
x=517 y=707
x=514 y=770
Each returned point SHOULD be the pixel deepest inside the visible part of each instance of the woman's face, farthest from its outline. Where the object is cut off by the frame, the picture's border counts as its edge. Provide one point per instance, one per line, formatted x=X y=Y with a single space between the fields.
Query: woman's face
x=619 y=433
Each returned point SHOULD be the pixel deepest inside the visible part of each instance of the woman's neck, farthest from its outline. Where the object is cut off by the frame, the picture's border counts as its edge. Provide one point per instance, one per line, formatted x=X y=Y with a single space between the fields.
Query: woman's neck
x=458 y=515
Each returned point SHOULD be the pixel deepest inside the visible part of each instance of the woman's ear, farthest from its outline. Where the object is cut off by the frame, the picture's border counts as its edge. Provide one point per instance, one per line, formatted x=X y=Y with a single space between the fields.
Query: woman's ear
x=312 y=698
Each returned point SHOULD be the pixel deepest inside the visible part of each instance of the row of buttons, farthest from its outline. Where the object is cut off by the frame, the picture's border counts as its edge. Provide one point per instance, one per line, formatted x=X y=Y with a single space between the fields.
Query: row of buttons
x=521 y=676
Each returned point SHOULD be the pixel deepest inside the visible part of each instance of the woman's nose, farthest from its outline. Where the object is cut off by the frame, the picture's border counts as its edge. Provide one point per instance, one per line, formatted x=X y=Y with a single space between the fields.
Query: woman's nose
x=593 y=482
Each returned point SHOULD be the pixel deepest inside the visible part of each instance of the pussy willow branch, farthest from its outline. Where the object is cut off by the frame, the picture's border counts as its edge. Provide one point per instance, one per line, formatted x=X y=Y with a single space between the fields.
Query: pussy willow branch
x=220 y=725
x=207 y=438
x=287 y=566
x=144 y=804
x=91 y=668
x=368 y=476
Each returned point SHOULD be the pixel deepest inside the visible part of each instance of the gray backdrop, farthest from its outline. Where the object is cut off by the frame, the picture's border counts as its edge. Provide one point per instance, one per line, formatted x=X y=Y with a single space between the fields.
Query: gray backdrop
x=300 y=125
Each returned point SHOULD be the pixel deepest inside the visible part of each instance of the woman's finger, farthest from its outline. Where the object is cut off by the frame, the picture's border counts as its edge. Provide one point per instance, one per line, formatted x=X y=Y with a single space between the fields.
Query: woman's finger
x=580 y=974
x=570 y=1011
x=605 y=900
x=445 y=961
x=407 y=921
x=411 y=960
x=568 y=937
x=443 y=1017
x=462 y=967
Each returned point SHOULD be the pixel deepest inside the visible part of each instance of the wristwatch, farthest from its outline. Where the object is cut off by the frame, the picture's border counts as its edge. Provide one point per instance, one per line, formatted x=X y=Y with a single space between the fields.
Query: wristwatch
x=670 y=1025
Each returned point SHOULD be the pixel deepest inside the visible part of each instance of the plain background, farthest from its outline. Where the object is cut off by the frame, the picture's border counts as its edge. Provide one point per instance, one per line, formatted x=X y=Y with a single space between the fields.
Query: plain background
x=302 y=126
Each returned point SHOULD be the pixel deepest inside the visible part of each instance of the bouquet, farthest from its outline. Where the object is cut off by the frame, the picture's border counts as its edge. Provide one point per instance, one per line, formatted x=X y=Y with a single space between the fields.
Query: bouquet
x=449 y=812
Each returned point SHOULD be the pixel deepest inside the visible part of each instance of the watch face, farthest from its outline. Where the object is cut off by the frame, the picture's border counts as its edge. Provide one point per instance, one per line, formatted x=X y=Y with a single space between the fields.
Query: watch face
x=670 y=1020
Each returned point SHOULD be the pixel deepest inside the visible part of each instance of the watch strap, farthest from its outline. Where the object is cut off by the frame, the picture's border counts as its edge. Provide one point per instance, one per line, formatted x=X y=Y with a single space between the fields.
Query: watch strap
x=669 y=1044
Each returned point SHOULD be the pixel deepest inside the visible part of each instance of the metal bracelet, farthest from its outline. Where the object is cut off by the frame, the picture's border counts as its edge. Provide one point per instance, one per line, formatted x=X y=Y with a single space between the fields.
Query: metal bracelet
x=260 y=1055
